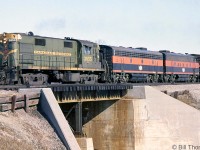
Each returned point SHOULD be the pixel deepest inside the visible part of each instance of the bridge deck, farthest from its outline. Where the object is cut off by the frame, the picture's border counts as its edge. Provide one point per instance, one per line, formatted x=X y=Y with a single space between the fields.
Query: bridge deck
x=68 y=93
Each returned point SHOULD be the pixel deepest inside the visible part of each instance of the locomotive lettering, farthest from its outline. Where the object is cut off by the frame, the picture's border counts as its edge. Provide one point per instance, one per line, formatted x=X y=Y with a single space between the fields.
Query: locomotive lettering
x=51 y=53
x=88 y=58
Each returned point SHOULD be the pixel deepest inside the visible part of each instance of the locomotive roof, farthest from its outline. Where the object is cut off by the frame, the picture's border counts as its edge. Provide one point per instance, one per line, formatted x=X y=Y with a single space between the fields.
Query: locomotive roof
x=196 y=55
x=178 y=54
x=86 y=42
x=27 y=34
x=120 y=48
x=82 y=42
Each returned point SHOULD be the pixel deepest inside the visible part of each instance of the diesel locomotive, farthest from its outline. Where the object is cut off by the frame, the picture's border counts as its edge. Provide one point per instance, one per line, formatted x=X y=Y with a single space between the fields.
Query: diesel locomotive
x=32 y=59
x=132 y=64
x=35 y=60
x=142 y=65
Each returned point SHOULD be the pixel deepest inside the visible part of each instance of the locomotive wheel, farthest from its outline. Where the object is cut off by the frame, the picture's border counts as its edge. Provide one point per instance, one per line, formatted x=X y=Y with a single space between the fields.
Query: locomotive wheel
x=154 y=78
x=148 y=78
x=126 y=78
x=20 y=80
x=172 y=79
x=116 y=78
x=194 y=79
x=166 y=78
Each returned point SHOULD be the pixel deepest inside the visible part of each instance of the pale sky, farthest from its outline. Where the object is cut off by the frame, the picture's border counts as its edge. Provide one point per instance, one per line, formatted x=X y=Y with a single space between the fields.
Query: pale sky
x=156 y=24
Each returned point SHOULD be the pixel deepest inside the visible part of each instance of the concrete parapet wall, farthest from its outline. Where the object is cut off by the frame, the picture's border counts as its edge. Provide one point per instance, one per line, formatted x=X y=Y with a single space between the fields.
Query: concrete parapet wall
x=49 y=106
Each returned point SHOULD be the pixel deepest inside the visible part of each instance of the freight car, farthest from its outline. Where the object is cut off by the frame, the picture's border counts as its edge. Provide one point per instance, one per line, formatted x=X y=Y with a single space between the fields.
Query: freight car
x=132 y=64
x=32 y=59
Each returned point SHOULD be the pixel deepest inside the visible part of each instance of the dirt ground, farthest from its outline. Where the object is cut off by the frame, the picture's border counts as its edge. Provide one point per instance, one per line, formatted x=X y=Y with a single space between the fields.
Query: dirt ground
x=189 y=94
x=27 y=131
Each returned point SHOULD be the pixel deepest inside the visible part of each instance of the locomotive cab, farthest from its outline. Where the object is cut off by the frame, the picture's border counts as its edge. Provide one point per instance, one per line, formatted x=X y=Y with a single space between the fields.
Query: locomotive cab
x=88 y=62
x=8 y=57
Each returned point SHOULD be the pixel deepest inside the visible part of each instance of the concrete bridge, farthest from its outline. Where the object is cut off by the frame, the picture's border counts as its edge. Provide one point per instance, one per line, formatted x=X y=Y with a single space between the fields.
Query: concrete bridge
x=143 y=118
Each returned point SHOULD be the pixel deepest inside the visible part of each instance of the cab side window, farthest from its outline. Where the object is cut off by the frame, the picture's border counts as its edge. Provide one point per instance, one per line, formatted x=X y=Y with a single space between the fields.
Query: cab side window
x=87 y=49
x=10 y=45
x=68 y=44
x=40 y=42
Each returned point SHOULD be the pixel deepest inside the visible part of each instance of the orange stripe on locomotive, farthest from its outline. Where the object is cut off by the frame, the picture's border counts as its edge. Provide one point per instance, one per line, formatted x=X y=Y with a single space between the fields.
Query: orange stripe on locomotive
x=137 y=61
x=170 y=63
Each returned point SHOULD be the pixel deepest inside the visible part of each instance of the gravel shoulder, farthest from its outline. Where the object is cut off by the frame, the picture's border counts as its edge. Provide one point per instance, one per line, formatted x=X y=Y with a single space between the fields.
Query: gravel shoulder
x=27 y=131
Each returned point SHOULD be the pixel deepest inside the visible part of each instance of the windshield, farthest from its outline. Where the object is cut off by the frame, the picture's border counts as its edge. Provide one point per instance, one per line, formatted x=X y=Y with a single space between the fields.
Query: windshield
x=10 y=46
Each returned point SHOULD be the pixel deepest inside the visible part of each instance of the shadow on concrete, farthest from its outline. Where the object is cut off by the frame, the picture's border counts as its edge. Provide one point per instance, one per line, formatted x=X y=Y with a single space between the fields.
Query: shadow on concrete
x=89 y=110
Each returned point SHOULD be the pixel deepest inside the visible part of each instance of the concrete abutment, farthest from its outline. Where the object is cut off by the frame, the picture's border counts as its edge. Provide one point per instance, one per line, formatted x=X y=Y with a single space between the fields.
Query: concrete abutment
x=144 y=118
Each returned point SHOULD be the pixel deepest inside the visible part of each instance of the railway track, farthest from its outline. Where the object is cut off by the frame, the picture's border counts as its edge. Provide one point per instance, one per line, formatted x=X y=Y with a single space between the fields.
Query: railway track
x=71 y=87
x=88 y=87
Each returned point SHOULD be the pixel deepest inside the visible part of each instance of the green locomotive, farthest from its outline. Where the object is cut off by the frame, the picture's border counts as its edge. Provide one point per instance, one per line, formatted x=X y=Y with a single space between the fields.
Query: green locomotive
x=35 y=60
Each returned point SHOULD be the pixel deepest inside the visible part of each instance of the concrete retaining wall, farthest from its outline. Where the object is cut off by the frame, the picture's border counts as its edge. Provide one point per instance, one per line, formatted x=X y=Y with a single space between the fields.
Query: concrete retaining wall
x=49 y=106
